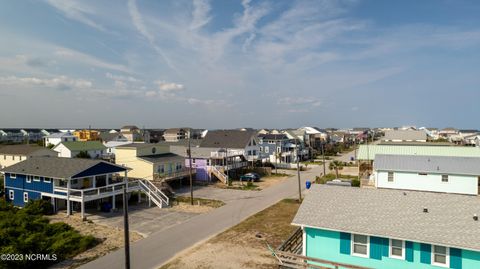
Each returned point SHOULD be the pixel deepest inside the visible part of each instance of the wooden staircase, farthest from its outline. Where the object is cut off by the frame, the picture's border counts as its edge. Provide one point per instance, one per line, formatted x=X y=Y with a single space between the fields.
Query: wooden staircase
x=219 y=174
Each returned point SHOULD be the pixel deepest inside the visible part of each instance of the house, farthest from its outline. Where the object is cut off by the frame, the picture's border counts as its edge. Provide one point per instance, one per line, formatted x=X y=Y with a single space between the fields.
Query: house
x=95 y=149
x=50 y=131
x=151 y=161
x=273 y=146
x=12 y=154
x=33 y=135
x=156 y=135
x=112 y=145
x=428 y=173
x=129 y=128
x=242 y=141
x=113 y=137
x=405 y=136
x=56 y=138
x=368 y=152
x=447 y=132
x=175 y=134
x=133 y=133
x=12 y=135
x=384 y=228
x=72 y=183
x=472 y=140
x=87 y=135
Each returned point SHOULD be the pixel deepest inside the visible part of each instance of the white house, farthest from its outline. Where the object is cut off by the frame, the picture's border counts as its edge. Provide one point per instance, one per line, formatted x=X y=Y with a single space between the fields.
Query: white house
x=405 y=136
x=428 y=173
x=57 y=138
x=13 y=154
x=71 y=149
x=112 y=145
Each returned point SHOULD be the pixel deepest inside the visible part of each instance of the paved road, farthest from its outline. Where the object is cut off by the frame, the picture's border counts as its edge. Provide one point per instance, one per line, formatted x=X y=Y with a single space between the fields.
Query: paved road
x=159 y=247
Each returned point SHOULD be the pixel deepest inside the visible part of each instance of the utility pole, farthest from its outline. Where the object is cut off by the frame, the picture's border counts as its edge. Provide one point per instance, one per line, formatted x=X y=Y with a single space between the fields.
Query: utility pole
x=190 y=169
x=323 y=157
x=298 y=173
x=125 y=227
x=276 y=156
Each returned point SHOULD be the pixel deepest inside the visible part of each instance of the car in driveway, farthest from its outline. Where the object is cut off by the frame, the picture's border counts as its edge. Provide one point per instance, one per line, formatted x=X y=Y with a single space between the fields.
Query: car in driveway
x=250 y=177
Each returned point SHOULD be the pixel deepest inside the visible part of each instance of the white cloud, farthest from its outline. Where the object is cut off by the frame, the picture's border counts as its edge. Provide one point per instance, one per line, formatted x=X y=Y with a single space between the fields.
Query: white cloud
x=200 y=14
x=294 y=101
x=165 y=86
x=121 y=78
x=78 y=11
x=79 y=57
x=59 y=82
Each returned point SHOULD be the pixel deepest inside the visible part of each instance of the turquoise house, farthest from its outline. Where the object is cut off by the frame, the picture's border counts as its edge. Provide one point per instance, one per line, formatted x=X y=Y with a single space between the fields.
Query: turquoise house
x=383 y=228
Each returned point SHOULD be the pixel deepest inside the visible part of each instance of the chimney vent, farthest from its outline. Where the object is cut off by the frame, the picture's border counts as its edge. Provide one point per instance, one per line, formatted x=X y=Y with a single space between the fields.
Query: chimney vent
x=475 y=217
x=425 y=210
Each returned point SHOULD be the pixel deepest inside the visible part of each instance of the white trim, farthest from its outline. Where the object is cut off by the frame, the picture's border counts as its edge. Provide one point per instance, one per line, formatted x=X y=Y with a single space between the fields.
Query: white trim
x=47 y=179
x=36 y=178
x=447 y=257
x=25 y=197
x=391 y=248
x=304 y=242
x=352 y=243
x=13 y=176
x=11 y=194
x=28 y=179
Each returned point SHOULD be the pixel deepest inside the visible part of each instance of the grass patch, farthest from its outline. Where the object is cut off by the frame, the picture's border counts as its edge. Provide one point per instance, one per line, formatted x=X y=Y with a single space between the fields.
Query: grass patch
x=328 y=177
x=202 y=201
x=279 y=175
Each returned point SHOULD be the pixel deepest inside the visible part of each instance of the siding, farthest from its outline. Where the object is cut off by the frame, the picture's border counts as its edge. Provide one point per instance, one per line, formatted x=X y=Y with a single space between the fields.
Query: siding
x=330 y=245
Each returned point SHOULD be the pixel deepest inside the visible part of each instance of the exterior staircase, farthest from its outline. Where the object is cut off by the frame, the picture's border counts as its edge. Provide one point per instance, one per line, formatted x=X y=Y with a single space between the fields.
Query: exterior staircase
x=219 y=174
x=153 y=193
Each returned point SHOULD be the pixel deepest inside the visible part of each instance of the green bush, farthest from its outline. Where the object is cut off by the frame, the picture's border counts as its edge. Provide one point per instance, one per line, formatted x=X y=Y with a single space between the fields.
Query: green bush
x=355 y=183
x=38 y=207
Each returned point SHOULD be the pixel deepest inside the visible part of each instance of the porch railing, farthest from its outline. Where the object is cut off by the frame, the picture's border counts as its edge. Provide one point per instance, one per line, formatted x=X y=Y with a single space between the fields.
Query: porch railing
x=295 y=261
x=91 y=192
x=229 y=153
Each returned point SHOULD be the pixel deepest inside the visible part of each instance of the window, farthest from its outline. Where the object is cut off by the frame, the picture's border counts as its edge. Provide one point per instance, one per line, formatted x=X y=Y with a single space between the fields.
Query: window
x=397 y=249
x=13 y=158
x=74 y=181
x=444 y=178
x=360 y=245
x=35 y=178
x=390 y=176
x=161 y=169
x=11 y=195
x=4 y=157
x=254 y=152
x=47 y=180
x=13 y=176
x=440 y=256
x=29 y=179
x=20 y=158
x=25 y=197
x=266 y=149
x=422 y=174
x=249 y=153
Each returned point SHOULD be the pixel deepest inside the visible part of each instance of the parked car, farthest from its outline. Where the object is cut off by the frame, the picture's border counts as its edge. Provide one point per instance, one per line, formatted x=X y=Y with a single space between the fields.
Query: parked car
x=250 y=177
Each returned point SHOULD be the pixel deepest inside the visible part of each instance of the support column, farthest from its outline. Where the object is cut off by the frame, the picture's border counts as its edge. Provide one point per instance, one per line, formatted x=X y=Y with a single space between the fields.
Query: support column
x=94 y=181
x=52 y=200
x=69 y=210
x=113 y=202
x=149 y=199
x=82 y=209
x=139 y=197
x=125 y=180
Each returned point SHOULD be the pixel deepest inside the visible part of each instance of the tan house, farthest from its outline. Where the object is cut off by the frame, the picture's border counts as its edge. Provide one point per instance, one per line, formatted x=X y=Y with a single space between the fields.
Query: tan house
x=151 y=161
x=12 y=154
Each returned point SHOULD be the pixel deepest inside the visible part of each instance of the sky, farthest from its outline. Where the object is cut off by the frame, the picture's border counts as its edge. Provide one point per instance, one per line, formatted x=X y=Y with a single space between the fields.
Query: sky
x=228 y=64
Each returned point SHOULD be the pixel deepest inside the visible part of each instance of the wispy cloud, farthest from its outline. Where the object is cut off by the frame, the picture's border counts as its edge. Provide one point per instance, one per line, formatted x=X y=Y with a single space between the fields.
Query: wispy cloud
x=200 y=14
x=79 y=57
x=76 y=10
x=59 y=83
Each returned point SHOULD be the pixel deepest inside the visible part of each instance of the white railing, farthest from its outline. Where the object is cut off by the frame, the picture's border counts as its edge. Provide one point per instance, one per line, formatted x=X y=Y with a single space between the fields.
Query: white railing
x=85 y=194
x=153 y=193
x=219 y=174
x=229 y=153
x=150 y=186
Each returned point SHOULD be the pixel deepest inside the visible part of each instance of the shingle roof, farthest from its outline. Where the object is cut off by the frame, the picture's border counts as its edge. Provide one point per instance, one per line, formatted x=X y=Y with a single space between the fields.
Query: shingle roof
x=83 y=145
x=394 y=214
x=55 y=167
x=428 y=164
x=368 y=152
x=227 y=139
x=273 y=136
x=405 y=135
x=166 y=157
x=21 y=149
x=59 y=135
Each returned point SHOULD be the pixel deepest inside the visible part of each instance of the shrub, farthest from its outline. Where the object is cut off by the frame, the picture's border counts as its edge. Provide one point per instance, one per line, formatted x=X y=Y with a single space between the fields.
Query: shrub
x=355 y=183
x=38 y=207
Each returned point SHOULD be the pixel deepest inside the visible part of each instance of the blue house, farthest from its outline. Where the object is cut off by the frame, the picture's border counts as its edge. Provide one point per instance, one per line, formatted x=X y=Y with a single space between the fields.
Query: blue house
x=384 y=228
x=67 y=182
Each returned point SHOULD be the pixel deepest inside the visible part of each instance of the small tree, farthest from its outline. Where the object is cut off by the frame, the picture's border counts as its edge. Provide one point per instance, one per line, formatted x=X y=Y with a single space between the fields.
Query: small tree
x=83 y=155
x=336 y=165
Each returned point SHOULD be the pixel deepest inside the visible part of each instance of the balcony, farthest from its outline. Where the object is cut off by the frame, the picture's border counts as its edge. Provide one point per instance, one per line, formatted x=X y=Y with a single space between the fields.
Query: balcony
x=229 y=153
x=173 y=175
x=89 y=194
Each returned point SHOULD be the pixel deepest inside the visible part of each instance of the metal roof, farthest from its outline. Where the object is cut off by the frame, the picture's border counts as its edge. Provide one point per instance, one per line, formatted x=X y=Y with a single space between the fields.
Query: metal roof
x=394 y=214
x=405 y=135
x=428 y=164
x=368 y=152
x=83 y=145
x=59 y=167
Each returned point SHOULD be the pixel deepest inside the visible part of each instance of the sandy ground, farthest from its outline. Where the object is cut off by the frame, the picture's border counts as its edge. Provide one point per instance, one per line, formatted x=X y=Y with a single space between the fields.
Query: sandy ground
x=112 y=238
x=186 y=207
x=264 y=183
x=244 y=245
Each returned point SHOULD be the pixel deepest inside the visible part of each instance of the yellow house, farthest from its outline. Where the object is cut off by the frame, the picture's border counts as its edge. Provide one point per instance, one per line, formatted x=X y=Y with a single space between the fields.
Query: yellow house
x=151 y=161
x=12 y=154
x=87 y=135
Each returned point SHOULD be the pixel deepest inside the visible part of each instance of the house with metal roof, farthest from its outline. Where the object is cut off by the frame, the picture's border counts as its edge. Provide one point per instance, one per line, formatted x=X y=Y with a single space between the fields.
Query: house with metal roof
x=72 y=183
x=12 y=154
x=347 y=227
x=428 y=173
x=95 y=149
x=57 y=138
x=368 y=152
x=405 y=136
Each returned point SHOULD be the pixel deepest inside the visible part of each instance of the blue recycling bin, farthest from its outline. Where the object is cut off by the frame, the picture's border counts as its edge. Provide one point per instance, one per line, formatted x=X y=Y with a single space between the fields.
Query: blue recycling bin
x=352 y=159
x=308 y=184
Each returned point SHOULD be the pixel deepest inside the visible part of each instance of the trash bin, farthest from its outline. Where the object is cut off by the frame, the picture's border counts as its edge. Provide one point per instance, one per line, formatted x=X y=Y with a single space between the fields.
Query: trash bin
x=308 y=184
x=352 y=159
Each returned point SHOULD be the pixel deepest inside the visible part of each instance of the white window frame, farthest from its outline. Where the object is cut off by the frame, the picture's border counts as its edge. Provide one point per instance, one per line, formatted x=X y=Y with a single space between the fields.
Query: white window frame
x=13 y=176
x=11 y=194
x=391 y=250
x=352 y=237
x=388 y=176
x=47 y=179
x=25 y=197
x=28 y=179
x=447 y=257
x=267 y=150
x=443 y=180
x=36 y=178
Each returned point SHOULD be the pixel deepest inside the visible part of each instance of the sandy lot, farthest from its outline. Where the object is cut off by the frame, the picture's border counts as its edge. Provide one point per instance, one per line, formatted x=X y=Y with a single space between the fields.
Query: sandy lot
x=112 y=238
x=264 y=183
x=244 y=245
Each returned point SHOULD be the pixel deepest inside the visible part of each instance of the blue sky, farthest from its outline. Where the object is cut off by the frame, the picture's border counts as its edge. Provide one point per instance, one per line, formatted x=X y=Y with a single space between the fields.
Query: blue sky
x=226 y=63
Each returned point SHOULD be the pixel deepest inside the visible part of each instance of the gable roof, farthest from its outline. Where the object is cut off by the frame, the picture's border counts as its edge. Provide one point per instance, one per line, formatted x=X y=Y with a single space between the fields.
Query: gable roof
x=106 y=136
x=83 y=145
x=368 y=152
x=273 y=136
x=394 y=214
x=428 y=164
x=57 y=167
x=227 y=139
x=166 y=157
x=22 y=149
x=59 y=135
x=405 y=135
